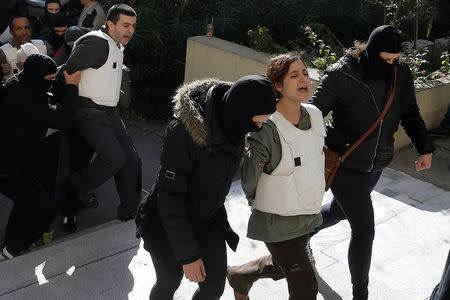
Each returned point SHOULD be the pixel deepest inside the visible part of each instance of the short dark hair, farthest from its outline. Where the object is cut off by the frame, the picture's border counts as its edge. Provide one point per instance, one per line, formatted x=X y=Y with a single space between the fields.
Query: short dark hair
x=11 y=24
x=52 y=1
x=279 y=66
x=119 y=9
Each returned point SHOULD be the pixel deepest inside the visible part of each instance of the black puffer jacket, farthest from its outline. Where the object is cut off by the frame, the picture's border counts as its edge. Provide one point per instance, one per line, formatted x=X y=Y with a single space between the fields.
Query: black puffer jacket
x=197 y=168
x=348 y=92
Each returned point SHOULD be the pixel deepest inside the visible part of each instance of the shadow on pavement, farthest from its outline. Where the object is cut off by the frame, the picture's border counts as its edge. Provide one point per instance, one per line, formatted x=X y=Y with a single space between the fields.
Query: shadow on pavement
x=325 y=290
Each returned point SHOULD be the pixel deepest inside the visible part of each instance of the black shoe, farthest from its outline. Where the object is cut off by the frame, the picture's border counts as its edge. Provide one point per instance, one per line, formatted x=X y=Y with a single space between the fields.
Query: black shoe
x=124 y=217
x=70 y=224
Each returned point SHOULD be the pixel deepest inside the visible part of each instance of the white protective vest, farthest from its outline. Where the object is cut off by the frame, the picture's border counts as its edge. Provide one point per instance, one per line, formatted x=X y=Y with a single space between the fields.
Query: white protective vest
x=292 y=190
x=102 y=85
x=11 y=55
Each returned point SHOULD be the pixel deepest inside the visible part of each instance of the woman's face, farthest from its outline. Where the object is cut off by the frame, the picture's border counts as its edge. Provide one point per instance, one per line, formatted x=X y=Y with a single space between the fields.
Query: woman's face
x=259 y=119
x=53 y=8
x=296 y=83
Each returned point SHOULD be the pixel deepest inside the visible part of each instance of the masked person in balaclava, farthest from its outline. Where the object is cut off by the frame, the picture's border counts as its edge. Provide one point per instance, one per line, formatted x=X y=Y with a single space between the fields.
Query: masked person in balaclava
x=28 y=159
x=355 y=90
x=58 y=27
x=183 y=222
x=43 y=24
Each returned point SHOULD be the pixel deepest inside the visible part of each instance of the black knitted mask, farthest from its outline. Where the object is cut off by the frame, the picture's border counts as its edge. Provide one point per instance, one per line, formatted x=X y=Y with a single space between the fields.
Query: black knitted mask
x=249 y=96
x=35 y=68
x=57 y=20
x=384 y=38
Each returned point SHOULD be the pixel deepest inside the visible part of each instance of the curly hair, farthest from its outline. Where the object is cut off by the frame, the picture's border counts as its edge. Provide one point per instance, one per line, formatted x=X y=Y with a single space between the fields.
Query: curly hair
x=357 y=50
x=279 y=66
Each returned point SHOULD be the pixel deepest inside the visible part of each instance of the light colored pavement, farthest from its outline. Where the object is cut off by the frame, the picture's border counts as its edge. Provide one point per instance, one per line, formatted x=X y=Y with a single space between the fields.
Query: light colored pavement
x=107 y=262
x=411 y=244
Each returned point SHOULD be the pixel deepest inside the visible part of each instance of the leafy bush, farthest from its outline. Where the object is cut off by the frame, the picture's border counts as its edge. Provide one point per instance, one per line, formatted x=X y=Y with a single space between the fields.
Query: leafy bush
x=261 y=40
x=424 y=68
x=324 y=55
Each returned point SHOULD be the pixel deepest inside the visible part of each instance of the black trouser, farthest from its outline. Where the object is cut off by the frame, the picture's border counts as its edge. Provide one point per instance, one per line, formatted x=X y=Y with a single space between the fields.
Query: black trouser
x=74 y=154
x=116 y=156
x=169 y=272
x=33 y=194
x=351 y=190
x=31 y=214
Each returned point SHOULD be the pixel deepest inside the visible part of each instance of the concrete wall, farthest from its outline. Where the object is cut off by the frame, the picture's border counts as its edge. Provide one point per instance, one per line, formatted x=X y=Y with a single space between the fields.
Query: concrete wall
x=213 y=57
x=433 y=100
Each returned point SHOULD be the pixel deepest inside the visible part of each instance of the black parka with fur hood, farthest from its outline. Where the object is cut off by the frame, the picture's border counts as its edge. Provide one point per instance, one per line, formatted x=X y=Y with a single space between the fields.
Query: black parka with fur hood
x=197 y=167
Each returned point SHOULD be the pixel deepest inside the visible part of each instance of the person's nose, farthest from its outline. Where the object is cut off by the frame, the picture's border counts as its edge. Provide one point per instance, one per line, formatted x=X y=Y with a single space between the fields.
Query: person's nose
x=302 y=79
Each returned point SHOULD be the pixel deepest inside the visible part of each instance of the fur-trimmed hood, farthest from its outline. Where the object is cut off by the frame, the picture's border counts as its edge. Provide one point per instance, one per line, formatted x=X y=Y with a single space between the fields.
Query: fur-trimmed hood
x=191 y=108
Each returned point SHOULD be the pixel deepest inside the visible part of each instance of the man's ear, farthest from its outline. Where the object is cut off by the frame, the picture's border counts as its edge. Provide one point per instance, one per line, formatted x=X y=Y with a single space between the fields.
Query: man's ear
x=109 y=25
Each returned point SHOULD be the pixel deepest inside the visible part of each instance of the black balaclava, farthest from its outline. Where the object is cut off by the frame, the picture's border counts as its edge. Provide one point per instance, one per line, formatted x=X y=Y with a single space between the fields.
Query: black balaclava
x=249 y=96
x=35 y=68
x=384 y=38
x=57 y=20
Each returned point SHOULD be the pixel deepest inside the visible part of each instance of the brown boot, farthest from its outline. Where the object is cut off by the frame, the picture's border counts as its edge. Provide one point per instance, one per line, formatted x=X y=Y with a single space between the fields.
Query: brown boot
x=241 y=278
x=238 y=296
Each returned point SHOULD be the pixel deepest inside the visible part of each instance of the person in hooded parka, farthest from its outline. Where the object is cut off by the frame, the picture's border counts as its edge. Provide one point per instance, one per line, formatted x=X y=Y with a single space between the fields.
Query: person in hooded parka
x=183 y=222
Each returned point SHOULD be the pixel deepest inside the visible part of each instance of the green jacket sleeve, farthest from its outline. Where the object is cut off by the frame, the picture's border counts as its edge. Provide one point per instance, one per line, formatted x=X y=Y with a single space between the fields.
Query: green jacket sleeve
x=261 y=146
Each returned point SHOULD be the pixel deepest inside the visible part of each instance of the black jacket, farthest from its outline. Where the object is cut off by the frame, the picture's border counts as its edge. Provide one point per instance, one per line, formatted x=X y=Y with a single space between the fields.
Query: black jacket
x=348 y=92
x=197 y=168
x=25 y=116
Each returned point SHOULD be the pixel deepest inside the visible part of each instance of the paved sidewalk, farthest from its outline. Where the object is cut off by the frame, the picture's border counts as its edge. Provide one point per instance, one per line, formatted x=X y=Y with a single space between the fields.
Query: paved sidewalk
x=411 y=244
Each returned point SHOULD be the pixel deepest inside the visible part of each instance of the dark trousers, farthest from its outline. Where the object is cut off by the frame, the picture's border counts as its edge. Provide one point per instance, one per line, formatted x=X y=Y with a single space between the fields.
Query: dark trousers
x=116 y=156
x=442 y=290
x=33 y=194
x=169 y=272
x=74 y=154
x=32 y=212
x=351 y=190
x=293 y=260
x=289 y=260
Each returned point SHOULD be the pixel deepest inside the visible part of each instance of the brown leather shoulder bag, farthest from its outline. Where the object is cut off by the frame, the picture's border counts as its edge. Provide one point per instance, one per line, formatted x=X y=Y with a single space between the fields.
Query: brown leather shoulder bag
x=332 y=158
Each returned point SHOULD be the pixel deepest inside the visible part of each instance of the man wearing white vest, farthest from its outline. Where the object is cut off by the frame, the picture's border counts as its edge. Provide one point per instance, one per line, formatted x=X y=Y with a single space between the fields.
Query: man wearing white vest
x=99 y=57
x=20 y=29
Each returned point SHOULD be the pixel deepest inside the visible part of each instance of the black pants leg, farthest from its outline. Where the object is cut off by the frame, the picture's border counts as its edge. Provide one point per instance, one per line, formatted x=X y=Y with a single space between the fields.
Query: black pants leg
x=214 y=257
x=116 y=156
x=169 y=272
x=129 y=178
x=168 y=275
x=31 y=213
x=351 y=190
x=74 y=154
